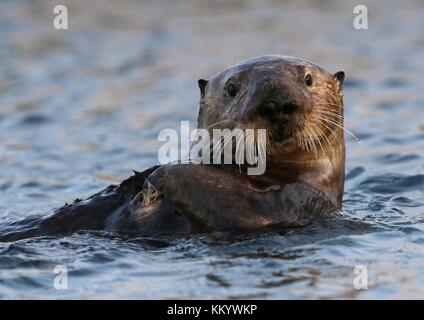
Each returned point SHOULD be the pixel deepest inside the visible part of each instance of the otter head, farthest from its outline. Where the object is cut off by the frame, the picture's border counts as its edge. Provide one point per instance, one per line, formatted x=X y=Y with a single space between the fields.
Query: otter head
x=297 y=102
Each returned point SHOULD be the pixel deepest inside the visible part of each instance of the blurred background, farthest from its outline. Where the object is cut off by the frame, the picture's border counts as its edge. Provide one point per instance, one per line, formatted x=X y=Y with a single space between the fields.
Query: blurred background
x=80 y=108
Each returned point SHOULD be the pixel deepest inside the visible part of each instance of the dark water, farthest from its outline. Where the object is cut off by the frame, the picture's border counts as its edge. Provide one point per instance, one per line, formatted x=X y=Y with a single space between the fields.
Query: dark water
x=80 y=108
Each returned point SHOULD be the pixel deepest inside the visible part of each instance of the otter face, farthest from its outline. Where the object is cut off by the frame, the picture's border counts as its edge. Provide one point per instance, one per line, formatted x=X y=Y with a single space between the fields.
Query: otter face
x=297 y=101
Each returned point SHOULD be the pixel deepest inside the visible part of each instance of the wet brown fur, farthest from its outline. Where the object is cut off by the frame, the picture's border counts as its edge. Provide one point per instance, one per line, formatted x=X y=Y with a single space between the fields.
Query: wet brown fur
x=305 y=163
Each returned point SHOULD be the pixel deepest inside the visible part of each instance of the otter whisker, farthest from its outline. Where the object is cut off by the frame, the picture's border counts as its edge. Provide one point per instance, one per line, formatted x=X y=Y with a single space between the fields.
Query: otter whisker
x=328 y=103
x=336 y=99
x=317 y=136
x=330 y=117
x=335 y=114
x=326 y=138
x=327 y=106
x=216 y=123
x=197 y=135
x=308 y=139
x=323 y=134
x=329 y=122
x=239 y=152
x=215 y=146
x=300 y=139
x=228 y=137
x=303 y=140
x=308 y=142
x=311 y=133
x=319 y=106
x=311 y=140
x=346 y=130
x=320 y=121
x=329 y=113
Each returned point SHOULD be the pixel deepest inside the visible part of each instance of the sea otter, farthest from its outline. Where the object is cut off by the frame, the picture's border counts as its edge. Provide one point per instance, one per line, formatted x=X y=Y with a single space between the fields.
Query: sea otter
x=301 y=106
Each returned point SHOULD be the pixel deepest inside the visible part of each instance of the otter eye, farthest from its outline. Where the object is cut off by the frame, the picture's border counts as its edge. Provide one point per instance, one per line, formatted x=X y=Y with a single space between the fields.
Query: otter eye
x=232 y=90
x=308 y=80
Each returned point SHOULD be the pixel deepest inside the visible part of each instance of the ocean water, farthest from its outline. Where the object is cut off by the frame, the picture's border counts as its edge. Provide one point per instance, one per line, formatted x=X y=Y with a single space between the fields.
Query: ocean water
x=80 y=108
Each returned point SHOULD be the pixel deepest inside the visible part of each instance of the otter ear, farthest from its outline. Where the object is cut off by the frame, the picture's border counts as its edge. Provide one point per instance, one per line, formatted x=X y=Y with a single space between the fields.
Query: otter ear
x=202 y=85
x=339 y=76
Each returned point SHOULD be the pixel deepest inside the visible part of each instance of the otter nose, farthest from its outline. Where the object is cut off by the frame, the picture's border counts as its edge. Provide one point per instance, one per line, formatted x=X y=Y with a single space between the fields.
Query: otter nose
x=286 y=108
x=278 y=109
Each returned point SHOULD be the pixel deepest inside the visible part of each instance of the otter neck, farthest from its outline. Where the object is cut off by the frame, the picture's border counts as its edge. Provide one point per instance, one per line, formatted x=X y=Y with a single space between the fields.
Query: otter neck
x=323 y=170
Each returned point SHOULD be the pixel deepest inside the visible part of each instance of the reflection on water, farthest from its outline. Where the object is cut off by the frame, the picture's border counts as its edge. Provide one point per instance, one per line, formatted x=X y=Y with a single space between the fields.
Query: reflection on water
x=80 y=108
